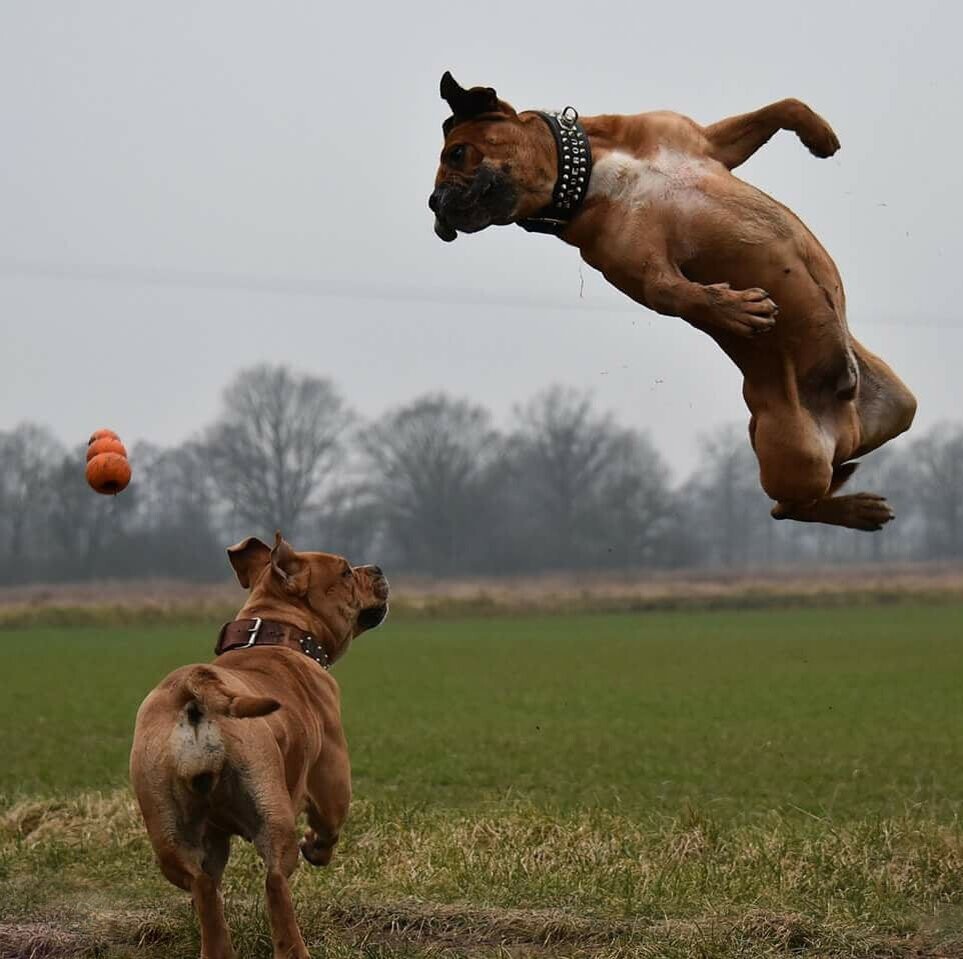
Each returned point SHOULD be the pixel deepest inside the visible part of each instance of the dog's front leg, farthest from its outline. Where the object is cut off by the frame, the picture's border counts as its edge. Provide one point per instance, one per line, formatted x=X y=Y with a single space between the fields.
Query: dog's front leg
x=329 y=798
x=733 y=140
x=715 y=308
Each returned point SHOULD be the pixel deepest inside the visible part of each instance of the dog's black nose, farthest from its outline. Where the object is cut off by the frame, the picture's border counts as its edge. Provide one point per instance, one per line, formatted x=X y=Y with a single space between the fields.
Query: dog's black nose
x=433 y=202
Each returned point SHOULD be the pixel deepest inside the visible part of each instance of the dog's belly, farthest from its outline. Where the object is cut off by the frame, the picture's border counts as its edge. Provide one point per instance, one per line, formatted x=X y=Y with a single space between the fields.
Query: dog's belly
x=695 y=200
x=807 y=356
x=719 y=229
x=809 y=294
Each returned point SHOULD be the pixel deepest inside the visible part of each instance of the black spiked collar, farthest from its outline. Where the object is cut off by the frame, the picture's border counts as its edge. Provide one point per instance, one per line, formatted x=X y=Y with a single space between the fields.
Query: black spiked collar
x=574 y=170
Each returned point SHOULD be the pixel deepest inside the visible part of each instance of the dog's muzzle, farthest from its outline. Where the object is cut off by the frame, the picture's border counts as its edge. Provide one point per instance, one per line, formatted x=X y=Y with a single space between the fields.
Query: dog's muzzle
x=444 y=231
x=470 y=206
x=374 y=615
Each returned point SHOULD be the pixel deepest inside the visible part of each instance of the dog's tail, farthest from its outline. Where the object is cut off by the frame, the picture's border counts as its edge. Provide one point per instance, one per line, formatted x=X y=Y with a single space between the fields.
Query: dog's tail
x=205 y=694
x=199 y=749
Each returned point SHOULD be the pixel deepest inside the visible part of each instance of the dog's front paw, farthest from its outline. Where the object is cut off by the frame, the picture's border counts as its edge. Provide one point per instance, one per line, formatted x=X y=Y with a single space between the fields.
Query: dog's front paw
x=816 y=134
x=315 y=850
x=742 y=312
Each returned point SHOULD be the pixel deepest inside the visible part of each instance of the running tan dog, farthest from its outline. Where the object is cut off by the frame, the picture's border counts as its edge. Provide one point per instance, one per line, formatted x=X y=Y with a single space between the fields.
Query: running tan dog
x=241 y=746
x=650 y=202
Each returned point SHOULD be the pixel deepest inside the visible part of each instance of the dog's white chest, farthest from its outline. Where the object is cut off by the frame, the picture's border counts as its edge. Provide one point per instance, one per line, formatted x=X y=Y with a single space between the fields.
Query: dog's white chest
x=667 y=177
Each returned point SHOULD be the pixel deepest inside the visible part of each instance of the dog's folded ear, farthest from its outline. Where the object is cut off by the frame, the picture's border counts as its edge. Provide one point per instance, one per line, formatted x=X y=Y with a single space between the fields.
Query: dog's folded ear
x=293 y=573
x=248 y=558
x=466 y=104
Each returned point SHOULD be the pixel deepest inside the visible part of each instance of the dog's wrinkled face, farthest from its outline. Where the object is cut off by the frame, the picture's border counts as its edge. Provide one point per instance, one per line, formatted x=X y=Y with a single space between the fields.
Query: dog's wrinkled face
x=490 y=172
x=324 y=587
x=360 y=593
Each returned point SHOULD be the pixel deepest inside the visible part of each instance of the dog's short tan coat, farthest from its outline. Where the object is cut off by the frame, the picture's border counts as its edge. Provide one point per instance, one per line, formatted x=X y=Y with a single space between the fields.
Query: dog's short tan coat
x=668 y=224
x=241 y=746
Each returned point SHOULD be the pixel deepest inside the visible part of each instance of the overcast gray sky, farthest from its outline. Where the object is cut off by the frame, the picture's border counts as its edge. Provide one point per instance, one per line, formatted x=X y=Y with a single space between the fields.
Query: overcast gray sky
x=187 y=188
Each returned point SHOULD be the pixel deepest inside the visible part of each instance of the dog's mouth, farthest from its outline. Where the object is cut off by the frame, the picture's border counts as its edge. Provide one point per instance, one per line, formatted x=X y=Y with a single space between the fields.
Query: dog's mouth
x=372 y=616
x=445 y=231
x=459 y=207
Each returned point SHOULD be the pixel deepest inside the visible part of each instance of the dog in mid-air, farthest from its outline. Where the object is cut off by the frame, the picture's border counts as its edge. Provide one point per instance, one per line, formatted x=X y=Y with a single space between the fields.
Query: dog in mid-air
x=241 y=746
x=649 y=200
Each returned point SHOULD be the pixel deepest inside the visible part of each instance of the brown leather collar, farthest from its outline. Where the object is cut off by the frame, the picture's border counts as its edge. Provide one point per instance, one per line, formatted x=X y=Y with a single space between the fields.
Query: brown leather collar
x=244 y=633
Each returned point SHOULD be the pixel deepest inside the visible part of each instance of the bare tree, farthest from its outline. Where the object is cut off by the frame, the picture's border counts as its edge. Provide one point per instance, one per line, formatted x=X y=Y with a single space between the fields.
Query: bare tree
x=351 y=522
x=580 y=484
x=86 y=534
x=636 y=521
x=28 y=453
x=275 y=444
x=433 y=487
x=429 y=463
x=725 y=504
x=175 y=523
x=933 y=472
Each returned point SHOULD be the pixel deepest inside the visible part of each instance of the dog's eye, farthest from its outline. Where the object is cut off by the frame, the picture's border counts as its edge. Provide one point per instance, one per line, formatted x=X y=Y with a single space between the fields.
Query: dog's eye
x=346 y=571
x=456 y=154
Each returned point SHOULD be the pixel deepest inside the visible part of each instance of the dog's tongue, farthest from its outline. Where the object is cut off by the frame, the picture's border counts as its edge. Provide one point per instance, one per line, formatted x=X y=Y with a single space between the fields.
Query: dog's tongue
x=444 y=231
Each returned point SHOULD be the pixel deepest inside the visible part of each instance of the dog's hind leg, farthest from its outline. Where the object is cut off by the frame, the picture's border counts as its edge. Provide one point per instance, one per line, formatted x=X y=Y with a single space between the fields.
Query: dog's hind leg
x=190 y=852
x=884 y=404
x=795 y=456
x=863 y=511
x=215 y=936
x=329 y=797
x=733 y=140
x=278 y=847
x=198 y=871
x=795 y=462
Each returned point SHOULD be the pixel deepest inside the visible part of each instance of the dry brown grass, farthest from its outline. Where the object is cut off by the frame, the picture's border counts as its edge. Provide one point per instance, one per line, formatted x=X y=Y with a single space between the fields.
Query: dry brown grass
x=514 y=882
x=119 y=602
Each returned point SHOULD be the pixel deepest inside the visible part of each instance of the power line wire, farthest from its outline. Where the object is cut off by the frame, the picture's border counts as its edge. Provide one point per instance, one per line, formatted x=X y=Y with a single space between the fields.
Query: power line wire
x=132 y=275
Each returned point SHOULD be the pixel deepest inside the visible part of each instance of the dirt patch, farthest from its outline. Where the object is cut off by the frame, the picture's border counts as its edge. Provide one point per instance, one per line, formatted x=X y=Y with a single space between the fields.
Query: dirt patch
x=41 y=940
x=88 y=932
x=456 y=926
x=428 y=929
x=466 y=931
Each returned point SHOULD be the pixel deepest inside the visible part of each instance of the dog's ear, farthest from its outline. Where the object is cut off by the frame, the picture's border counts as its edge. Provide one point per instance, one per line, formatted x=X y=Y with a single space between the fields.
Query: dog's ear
x=248 y=558
x=292 y=572
x=466 y=104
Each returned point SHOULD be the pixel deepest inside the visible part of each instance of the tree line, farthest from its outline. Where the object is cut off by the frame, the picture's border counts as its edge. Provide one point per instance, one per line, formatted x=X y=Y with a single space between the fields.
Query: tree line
x=433 y=487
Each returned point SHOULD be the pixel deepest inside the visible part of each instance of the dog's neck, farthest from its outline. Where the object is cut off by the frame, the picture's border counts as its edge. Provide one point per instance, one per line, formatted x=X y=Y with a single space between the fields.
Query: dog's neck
x=245 y=633
x=573 y=168
x=272 y=609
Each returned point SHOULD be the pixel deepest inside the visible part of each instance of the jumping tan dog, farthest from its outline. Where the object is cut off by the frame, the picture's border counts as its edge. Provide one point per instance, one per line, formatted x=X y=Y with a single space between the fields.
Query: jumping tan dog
x=649 y=201
x=241 y=746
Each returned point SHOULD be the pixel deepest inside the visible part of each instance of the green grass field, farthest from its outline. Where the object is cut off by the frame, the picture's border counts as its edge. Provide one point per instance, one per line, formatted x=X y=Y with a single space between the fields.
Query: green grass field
x=715 y=784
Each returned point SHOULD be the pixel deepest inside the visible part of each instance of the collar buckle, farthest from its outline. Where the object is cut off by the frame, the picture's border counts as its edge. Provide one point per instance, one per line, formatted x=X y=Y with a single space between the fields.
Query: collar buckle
x=253 y=631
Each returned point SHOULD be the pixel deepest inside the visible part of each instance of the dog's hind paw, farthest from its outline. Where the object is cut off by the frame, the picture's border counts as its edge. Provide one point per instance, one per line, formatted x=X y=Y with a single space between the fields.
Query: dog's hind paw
x=315 y=851
x=866 y=511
